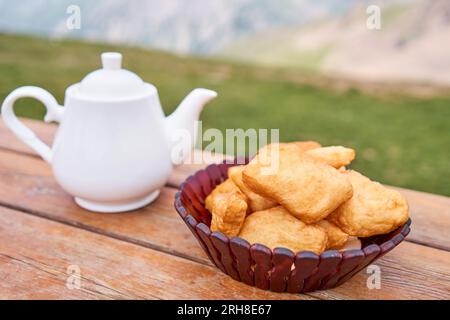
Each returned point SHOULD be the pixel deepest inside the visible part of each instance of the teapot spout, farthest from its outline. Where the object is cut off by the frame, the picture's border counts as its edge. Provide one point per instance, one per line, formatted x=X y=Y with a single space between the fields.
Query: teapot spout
x=181 y=125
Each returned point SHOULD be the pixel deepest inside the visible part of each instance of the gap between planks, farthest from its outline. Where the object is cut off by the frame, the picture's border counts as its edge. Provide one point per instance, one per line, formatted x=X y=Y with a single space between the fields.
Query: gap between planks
x=427 y=287
x=425 y=235
x=134 y=241
x=403 y=280
x=140 y=275
x=100 y=231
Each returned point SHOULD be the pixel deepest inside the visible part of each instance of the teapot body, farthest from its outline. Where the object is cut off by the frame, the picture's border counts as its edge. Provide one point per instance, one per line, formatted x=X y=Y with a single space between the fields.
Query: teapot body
x=111 y=155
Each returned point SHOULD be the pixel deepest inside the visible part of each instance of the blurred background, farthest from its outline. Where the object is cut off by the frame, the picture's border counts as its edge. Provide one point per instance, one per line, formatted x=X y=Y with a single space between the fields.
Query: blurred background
x=315 y=69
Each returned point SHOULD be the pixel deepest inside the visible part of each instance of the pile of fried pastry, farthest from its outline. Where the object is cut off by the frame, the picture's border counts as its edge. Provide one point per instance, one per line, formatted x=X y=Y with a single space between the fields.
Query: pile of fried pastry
x=300 y=196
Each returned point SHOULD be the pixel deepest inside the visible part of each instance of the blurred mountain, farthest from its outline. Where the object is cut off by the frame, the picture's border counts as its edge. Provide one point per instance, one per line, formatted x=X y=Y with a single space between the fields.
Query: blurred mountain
x=326 y=36
x=194 y=26
x=413 y=44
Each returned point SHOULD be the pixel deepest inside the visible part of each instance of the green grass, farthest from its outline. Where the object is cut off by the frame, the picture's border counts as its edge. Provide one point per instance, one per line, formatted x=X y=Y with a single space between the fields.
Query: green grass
x=276 y=49
x=402 y=141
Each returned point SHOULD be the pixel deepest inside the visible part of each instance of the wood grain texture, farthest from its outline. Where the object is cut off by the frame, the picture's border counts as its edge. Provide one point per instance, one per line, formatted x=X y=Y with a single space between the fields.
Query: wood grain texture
x=431 y=218
x=34 y=252
x=27 y=183
x=430 y=213
x=38 y=252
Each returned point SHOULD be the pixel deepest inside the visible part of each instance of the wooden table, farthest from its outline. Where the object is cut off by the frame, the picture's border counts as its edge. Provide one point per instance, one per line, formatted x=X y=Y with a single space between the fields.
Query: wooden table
x=150 y=254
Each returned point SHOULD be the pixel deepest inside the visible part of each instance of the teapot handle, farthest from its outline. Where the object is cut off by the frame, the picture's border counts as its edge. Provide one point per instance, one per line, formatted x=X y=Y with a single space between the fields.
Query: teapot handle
x=54 y=113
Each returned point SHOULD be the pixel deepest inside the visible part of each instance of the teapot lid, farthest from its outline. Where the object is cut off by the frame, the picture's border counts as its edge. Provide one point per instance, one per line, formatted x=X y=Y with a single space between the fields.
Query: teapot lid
x=111 y=82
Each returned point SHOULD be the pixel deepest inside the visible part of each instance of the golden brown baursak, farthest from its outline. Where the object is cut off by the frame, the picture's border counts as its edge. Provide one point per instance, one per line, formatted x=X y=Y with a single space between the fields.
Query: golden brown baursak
x=336 y=237
x=228 y=207
x=275 y=227
x=308 y=188
x=373 y=209
x=334 y=156
x=300 y=196
x=255 y=201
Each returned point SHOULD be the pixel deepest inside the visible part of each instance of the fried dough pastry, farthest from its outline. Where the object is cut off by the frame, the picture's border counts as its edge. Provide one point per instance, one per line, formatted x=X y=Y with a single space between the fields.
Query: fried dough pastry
x=308 y=188
x=228 y=206
x=334 y=156
x=225 y=187
x=275 y=227
x=299 y=146
x=352 y=244
x=255 y=201
x=373 y=209
x=336 y=237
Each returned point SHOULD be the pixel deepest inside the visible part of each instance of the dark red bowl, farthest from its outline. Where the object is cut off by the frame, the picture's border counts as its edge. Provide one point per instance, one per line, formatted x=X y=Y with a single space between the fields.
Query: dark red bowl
x=259 y=266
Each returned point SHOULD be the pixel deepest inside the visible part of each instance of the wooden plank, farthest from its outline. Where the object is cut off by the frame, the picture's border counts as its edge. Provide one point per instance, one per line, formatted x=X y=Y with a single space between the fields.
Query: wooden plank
x=409 y=272
x=27 y=182
x=431 y=218
x=36 y=253
x=23 y=278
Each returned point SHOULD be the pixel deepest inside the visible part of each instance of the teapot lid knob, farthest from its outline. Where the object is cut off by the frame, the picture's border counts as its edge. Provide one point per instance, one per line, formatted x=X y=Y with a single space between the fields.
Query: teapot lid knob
x=112 y=60
x=112 y=81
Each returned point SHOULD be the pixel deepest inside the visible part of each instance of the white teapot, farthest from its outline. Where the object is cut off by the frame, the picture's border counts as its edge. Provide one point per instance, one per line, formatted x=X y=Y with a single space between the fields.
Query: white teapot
x=114 y=148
